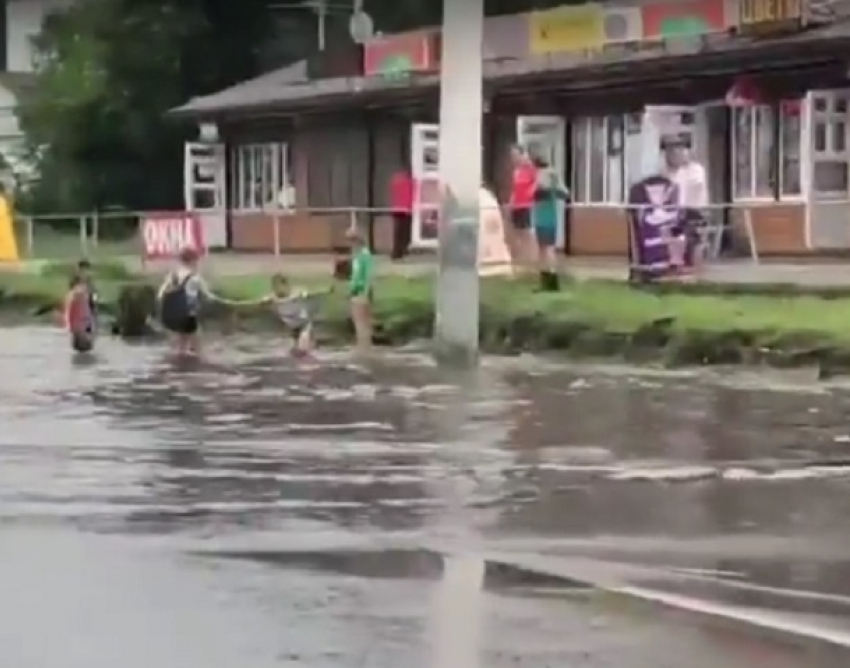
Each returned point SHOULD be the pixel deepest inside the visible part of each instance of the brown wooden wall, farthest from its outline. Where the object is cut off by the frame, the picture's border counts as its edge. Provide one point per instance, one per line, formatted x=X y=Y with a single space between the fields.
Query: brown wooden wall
x=778 y=229
x=338 y=166
x=301 y=232
x=599 y=230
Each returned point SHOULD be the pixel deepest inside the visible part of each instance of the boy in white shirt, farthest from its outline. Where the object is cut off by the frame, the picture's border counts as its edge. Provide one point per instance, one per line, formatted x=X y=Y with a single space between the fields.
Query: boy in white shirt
x=689 y=177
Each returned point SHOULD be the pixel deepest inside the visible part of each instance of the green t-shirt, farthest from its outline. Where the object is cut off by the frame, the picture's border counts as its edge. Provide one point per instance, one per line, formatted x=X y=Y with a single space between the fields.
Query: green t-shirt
x=362 y=267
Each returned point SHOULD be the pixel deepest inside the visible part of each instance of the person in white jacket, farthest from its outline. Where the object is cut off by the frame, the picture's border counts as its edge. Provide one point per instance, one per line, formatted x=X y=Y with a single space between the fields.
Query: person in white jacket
x=690 y=179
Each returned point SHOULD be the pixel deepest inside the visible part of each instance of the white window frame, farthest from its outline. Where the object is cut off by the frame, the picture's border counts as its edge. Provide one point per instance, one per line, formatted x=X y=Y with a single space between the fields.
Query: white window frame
x=582 y=135
x=274 y=187
x=779 y=194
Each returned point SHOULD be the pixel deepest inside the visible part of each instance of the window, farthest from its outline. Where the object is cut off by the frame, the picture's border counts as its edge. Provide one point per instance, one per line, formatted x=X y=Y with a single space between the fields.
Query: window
x=791 y=131
x=766 y=151
x=260 y=177
x=830 y=152
x=600 y=173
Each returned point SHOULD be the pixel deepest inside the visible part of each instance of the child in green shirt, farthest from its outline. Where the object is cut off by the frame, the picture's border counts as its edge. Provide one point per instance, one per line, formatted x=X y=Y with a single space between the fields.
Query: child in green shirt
x=360 y=289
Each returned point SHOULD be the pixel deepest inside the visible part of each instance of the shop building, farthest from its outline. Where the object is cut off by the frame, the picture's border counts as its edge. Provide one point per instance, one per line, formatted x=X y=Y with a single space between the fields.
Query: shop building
x=759 y=88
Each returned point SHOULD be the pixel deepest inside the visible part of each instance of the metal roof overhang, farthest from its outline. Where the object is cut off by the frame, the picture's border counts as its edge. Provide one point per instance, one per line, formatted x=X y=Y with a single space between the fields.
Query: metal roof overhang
x=391 y=95
x=793 y=52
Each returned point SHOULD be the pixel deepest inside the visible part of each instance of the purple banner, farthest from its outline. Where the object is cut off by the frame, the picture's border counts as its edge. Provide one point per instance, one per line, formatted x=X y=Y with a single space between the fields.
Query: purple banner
x=653 y=208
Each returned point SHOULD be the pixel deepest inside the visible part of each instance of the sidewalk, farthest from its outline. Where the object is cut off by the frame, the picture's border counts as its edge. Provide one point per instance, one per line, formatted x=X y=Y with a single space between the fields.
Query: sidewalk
x=826 y=274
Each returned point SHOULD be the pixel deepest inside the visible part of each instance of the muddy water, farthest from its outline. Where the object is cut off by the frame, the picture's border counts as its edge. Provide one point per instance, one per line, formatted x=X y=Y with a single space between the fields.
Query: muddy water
x=256 y=512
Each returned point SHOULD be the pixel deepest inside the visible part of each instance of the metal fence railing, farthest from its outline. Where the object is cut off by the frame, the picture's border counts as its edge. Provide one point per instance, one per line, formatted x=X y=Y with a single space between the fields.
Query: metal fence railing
x=741 y=228
x=64 y=236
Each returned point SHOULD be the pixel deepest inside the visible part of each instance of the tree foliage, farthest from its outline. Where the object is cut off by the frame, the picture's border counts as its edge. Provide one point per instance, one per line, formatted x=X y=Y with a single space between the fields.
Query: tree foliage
x=107 y=72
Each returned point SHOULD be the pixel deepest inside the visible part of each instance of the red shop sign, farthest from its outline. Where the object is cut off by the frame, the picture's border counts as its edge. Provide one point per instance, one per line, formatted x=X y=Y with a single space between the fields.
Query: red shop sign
x=406 y=53
x=743 y=93
x=165 y=234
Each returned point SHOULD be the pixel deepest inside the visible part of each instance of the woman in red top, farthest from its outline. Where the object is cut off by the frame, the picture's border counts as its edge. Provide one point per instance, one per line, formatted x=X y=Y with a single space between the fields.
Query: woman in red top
x=523 y=186
x=401 y=201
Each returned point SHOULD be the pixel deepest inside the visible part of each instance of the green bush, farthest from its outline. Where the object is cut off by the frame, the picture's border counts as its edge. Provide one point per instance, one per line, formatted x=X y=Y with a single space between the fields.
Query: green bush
x=586 y=319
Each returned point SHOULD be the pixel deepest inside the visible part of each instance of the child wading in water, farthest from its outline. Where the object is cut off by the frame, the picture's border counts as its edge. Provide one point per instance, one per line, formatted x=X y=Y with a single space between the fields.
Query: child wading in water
x=360 y=289
x=79 y=314
x=295 y=308
x=180 y=299
x=84 y=271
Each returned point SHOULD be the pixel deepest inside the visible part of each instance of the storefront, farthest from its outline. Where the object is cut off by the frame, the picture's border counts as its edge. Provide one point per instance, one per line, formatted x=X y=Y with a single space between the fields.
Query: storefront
x=289 y=165
x=751 y=153
x=783 y=162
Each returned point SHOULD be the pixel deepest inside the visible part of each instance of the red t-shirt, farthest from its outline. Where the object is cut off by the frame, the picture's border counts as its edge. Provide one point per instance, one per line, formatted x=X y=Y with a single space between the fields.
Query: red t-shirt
x=77 y=311
x=523 y=185
x=401 y=192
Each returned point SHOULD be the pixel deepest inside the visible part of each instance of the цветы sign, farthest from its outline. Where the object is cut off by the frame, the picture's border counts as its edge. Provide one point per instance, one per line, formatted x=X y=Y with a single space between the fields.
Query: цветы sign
x=770 y=16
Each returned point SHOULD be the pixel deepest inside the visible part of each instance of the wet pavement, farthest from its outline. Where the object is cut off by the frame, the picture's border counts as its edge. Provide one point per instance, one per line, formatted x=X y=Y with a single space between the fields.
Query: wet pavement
x=257 y=512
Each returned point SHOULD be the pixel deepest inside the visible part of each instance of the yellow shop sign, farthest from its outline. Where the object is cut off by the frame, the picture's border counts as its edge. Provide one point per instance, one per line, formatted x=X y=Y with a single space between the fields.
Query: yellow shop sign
x=768 y=16
x=565 y=29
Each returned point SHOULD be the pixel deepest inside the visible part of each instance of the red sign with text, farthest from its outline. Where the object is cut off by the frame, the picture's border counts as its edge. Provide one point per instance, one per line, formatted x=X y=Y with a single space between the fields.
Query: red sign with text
x=407 y=53
x=683 y=18
x=165 y=234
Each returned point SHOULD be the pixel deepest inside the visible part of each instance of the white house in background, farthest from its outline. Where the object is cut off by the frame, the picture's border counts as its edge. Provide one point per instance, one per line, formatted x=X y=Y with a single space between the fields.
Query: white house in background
x=23 y=22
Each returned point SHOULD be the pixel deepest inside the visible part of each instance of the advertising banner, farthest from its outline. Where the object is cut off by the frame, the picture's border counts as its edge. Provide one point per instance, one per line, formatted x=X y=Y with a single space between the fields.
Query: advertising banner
x=166 y=233
x=566 y=29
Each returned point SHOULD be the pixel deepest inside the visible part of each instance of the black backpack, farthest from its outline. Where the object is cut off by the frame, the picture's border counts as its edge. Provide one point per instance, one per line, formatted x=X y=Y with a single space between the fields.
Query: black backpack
x=174 y=308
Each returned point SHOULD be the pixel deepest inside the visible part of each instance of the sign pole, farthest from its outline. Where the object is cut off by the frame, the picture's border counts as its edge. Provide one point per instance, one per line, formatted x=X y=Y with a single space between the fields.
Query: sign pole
x=461 y=107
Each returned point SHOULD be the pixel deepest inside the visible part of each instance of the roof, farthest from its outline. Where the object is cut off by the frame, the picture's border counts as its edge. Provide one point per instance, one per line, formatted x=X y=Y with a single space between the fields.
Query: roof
x=290 y=83
x=290 y=88
x=261 y=87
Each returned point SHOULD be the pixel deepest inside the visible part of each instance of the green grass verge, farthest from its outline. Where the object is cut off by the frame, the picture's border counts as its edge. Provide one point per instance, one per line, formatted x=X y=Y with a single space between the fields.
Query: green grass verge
x=49 y=243
x=599 y=319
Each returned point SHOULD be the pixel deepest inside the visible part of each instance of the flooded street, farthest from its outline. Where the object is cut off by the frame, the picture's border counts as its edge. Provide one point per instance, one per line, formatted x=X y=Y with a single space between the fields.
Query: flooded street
x=255 y=512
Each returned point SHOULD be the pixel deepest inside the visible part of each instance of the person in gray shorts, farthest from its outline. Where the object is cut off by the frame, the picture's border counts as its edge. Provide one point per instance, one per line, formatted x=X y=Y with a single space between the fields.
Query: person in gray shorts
x=296 y=310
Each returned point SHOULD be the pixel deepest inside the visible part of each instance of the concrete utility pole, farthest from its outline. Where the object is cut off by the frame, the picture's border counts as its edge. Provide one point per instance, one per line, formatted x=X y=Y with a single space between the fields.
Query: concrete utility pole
x=461 y=106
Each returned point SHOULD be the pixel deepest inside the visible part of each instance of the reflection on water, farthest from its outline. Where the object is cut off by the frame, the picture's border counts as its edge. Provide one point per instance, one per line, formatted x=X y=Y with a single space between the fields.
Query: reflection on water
x=458 y=613
x=743 y=479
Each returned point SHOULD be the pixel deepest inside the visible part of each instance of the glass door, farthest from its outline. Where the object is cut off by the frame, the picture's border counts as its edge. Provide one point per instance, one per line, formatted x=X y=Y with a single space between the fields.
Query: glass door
x=545 y=136
x=425 y=169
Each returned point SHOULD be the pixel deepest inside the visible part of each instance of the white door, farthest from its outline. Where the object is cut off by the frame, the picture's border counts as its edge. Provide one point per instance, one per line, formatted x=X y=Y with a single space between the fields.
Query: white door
x=830 y=176
x=544 y=136
x=204 y=191
x=425 y=169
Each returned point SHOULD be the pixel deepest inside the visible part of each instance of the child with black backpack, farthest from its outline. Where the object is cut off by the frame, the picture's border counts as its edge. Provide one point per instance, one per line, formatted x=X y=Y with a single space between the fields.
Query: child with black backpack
x=180 y=299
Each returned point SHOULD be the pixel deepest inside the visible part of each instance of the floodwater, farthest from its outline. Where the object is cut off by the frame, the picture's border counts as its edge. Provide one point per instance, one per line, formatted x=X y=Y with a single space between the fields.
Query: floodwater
x=255 y=512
